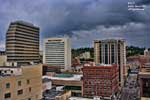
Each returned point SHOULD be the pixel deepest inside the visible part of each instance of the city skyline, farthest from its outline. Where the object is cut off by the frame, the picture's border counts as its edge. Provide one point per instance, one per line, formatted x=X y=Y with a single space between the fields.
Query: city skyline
x=80 y=19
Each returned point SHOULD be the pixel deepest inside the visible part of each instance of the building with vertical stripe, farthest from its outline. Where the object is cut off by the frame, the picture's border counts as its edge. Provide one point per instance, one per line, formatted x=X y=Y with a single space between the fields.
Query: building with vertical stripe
x=111 y=51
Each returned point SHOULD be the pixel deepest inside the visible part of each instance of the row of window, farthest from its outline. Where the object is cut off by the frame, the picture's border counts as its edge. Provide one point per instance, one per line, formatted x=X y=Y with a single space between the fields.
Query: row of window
x=19 y=92
x=19 y=84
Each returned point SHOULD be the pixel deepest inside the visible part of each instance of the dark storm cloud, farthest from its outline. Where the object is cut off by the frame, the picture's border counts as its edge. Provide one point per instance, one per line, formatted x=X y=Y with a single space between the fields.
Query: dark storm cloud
x=143 y=2
x=66 y=17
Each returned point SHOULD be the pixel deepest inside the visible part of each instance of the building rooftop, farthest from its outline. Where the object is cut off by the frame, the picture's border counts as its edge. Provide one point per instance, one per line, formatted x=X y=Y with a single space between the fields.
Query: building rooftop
x=74 y=77
x=24 y=23
x=64 y=75
x=44 y=80
x=51 y=94
x=112 y=40
x=79 y=98
x=108 y=65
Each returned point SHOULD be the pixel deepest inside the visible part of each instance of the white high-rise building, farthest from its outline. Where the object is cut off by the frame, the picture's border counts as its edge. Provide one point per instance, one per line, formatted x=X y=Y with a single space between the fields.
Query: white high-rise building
x=57 y=52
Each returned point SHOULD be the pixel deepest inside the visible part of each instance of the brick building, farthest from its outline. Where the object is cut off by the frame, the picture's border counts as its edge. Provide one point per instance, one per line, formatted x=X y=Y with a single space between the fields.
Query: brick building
x=100 y=80
x=144 y=80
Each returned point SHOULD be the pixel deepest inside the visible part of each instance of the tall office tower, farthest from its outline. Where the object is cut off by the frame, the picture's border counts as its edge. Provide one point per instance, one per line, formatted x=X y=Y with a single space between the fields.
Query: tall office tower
x=22 y=43
x=57 y=52
x=111 y=51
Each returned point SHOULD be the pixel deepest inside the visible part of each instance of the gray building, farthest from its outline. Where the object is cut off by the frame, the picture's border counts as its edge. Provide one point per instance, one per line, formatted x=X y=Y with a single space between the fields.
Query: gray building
x=22 y=43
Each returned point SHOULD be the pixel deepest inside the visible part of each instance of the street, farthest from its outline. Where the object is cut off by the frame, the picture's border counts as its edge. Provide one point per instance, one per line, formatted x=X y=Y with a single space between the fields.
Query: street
x=131 y=90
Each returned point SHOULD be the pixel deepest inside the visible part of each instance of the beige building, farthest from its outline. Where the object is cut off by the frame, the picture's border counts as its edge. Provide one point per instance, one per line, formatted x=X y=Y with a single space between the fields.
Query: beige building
x=21 y=83
x=3 y=58
x=111 y=51
x=22 y=43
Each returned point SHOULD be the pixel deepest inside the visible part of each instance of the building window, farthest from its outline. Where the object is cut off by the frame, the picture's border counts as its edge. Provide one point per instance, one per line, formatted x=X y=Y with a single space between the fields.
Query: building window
x=19 y=92
x=7 y=85
x=12 y=72
x=28 y=81
x=29 y=89
x=29 y=98
x=19 y=83
x=7 y=95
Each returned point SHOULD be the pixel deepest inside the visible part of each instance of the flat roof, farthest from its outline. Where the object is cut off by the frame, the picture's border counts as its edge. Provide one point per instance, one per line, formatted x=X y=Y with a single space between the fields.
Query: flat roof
x=110 y=40
x=44 y=80
x=144 y=98
x=74 y=77
x=79 y=98
x=24 y=23
x=144 y=73
x=51 y=94
x=103 y=65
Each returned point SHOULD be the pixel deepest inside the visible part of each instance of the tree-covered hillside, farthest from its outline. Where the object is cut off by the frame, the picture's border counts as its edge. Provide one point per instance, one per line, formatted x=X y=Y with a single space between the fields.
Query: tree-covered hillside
x=131 y=51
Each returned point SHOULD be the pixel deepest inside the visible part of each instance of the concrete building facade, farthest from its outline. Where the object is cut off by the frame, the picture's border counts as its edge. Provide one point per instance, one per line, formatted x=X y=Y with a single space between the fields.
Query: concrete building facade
x=146 y=52
x=111 y=51
x=3 y=58
x=57 y=52
x=21 y=83
x=22 y=43
x=100 y=80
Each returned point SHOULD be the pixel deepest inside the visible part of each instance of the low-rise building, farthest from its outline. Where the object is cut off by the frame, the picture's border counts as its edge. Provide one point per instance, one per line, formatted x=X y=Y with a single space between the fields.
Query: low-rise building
x=100 y=80
x=144 y=80
x=54 y=94
x=21 y=83
x=47 y=84
x=72 y=82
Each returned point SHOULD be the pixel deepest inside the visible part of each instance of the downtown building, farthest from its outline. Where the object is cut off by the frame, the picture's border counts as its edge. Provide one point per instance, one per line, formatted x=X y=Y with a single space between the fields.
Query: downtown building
x=21 y=83
x=111 y=51
x=57 y=52
x=144 y=80
x=22 y=43
x=100 y=80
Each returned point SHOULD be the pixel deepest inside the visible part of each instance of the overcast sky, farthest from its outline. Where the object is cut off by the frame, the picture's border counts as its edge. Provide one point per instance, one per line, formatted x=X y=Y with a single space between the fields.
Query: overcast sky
x=82 y=20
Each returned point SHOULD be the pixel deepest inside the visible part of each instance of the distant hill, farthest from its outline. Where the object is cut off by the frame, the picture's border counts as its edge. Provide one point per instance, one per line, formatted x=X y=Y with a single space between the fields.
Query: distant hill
x=131 y=51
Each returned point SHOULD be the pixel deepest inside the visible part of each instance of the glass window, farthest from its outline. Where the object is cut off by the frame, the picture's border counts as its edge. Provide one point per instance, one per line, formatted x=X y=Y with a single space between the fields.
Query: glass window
x=7 y=85
x=19 y=92
x=19 y=83
x=28 y=81
x=7 y=95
